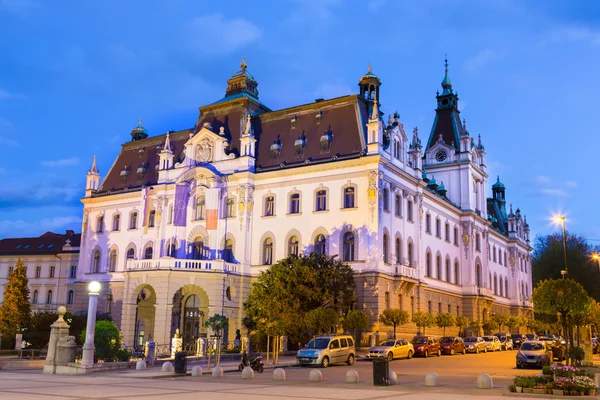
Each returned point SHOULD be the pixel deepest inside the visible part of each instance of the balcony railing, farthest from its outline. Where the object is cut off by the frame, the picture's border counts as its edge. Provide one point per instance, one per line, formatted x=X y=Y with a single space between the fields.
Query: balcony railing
x=483 y=291
x=182 y=264
x=404 y=270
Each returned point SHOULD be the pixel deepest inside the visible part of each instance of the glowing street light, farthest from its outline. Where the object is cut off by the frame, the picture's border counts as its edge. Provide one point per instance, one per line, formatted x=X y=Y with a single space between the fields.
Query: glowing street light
x=87 y=358
x=560 y=219
x=596 y=256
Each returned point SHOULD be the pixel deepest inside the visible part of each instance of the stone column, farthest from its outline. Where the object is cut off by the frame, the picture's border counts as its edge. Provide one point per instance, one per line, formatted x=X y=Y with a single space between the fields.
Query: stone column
x=88 y=347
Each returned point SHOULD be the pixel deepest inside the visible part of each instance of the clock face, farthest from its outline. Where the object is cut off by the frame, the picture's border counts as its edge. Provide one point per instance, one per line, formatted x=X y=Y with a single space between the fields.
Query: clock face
x=440 y=156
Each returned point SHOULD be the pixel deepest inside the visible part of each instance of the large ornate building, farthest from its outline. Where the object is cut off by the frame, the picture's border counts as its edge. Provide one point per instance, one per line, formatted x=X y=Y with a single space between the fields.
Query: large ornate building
x=183 y=222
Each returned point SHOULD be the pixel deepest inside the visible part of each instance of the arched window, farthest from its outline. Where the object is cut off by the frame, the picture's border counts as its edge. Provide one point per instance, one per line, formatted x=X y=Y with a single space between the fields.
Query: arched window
x=228 y=253
x=112 y=261
x=447 y=232
x=293 y=246
x=500 y=257
x=398 y=251
x=34 y=298
x=409 y=210
x=96 y=262
x=130 y=254
x=495 y=284
x=438 y=267
x=500 y=286
x=70 y=297
x=198 y=249
x=386 y=199
x=448 y=271
x=268 y=251
x=428 y=223
x=133 y=220
x=386 y=245
x=478 y=275
x=438 y=228
x=171 y=249
x=349 y=197
x=410 y=254
x=320 y=244
x=456 y=273
x=428 y=264
x=506 y=287
x=200 y=206
x=398 y=206
x=478 y=242
x=349 y=246
x=49 y=297
x=148 y=253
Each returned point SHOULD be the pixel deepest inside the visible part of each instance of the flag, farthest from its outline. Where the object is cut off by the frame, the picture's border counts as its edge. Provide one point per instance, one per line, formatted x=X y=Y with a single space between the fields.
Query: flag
x=146 y=202
x=212 y=209
x=180 y=206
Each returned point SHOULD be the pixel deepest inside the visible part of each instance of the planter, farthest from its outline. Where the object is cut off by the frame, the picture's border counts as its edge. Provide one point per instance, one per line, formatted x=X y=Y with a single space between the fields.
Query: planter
x=591 y=392
x=519 y=389
x=558 y=392
x=539 y=391
x=527 y=390
x=549 y=391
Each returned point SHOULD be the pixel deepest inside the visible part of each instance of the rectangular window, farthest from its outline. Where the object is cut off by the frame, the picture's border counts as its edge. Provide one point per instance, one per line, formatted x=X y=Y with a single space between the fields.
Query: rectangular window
x=10 y=270
x=200 y=207
x=230 y=208
x=133 y=220
x=171 y=214
x=349 y=197
x=412 y=306
x=438 y=228
x=386 y=200
x=38 y=272
x=398 y=206
x=409 y=210
x=321 y=204
x=151 y=218
x=428 y=223
x=505 y=263
x=73 y=272
x=52 y=269
x=458 y=311
x=295 y=203
x=449 y=309
x=100 y=224
x=439 y=308
x=447 y=229
x=429 y=307
x=387 y=299
x=269 y=206
x=478 y=242
x=116 y=222
x=456 y=236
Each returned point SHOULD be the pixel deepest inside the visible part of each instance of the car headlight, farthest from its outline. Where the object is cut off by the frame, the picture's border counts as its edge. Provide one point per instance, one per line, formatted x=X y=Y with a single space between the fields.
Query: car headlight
x=521 y=356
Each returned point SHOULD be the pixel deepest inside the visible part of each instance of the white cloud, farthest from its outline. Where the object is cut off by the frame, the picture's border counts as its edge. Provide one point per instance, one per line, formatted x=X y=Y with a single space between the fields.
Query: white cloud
x=6 y=95
x=331 y=90
x=479 y=60
x=15 y=228
x=553 y=192
x=541 y=180
x=65 y=162
x=223 y=36
x=571 y=184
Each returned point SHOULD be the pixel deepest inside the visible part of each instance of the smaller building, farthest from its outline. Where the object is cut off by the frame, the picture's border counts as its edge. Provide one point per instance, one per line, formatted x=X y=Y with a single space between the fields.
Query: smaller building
x=51 y=262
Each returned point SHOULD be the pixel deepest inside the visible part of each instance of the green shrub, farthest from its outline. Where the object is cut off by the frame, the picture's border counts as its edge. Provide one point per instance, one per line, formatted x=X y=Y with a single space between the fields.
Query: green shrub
x=107 y=341
x=577 y=354
x=546 y=370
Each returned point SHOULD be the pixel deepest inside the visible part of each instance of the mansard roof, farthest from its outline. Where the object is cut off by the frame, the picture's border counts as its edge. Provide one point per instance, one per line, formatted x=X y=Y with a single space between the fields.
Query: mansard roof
x=49 y=243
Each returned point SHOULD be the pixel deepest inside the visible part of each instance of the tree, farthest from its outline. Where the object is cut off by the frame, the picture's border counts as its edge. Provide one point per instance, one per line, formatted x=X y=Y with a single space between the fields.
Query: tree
x=476 y=326
x=394 y=317
x=489 y=325
x=296 y=285
x=513 y=321
x=500 y=319
x=354 y=321
x=321 y=320
x=462 y=322
x=565 y=297
x=15 y=312
x=534 y=325
x=423 y=320
x=445 y=320
x=217 y=323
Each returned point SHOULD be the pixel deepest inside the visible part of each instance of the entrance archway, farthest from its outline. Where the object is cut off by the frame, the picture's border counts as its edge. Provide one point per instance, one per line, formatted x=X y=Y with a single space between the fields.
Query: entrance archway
x=144 y=315
x=190 y=309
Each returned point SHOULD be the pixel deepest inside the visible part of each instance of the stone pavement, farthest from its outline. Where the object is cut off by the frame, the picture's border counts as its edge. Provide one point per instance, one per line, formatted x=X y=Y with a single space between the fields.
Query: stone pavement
x=113 y=386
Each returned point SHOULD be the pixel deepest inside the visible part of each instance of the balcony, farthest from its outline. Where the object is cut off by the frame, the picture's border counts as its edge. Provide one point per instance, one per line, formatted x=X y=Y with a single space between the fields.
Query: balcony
x=404 y=270
x=175 y=264
x=483 y=291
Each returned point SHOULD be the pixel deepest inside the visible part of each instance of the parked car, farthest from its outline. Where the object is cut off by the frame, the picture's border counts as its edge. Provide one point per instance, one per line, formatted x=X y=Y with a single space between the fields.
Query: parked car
x=452 y=345
x=595 y=345
x=518 y=339
x=558 y=350
x=531 y=336
x=506 y=342
x=426 y=346
x=534 y=354
x=474 y=344
x=326 y=350
x=492 y=343
x=391 y=349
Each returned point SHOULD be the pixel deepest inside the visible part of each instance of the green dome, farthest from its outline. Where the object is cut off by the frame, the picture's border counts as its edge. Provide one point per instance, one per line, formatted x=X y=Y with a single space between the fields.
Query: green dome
x=441 y=188
x=498 y=184
x=432 y=181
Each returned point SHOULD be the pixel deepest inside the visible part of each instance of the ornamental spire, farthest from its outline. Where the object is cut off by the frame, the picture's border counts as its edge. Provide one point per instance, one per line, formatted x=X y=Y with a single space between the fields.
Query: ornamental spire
x=167 y=146
x=248 y=129
x=446 y=83
x=375 y=113
x=243 y=64
x=94 y=169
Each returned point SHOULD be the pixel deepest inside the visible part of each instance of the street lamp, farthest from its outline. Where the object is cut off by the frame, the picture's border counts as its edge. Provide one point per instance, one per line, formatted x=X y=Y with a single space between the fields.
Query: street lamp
x=596 y=257
x=87 y=360
x=560 y=219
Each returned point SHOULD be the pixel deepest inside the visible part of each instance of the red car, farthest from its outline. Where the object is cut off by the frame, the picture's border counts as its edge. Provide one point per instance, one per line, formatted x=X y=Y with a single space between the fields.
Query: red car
x=426 y=346
x=452 y=345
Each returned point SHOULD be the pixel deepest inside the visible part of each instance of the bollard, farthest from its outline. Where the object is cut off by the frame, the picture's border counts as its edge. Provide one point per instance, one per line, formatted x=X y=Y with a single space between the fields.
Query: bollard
x=217 y=372
x=315 y=376
x=167 y=367
x=140 y=365
x=150 y=352
x=484 y=381
x=432 y=379
x=197 y=371
x=393 y=378
x=247 y=373
x=597 y=380
x=279 y=374
x=352 y=376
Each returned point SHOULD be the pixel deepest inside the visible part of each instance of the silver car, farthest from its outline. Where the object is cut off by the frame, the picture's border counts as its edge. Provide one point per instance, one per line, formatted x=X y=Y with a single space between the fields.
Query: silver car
x=326 y=350
x=398 y=348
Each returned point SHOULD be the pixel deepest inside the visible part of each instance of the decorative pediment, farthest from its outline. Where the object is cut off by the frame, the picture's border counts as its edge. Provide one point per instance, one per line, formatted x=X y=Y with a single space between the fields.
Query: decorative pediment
x=440 y=152
x=207 y=147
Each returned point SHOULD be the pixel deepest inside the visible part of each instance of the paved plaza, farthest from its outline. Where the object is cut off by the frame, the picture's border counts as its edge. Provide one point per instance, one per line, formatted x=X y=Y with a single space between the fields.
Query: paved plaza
x=457 y=378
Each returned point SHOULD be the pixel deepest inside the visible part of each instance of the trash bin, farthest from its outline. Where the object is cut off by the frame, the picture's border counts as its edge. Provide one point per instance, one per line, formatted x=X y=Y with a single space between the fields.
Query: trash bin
x=180 y=362
x=381 y=371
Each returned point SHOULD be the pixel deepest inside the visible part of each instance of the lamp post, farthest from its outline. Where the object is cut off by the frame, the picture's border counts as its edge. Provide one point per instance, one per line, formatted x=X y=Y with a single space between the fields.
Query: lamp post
x=596 y=257
x=561 y=219
x=87 y=359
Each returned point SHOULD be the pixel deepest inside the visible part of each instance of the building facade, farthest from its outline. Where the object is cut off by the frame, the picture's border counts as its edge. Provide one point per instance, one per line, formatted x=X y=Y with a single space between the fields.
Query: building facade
x=51 y=261
x=182 y=222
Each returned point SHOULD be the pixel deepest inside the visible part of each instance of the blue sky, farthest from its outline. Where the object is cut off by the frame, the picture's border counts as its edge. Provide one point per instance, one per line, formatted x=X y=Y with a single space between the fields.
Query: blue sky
x=75 y=77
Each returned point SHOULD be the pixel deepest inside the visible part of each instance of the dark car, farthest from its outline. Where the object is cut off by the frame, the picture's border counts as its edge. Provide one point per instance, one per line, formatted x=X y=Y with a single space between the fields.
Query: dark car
x=452 y=345
x=518 y=339
x=426 y=346
x=558 y=350
x=506 y=342
x=534 y=354
x=531 y=336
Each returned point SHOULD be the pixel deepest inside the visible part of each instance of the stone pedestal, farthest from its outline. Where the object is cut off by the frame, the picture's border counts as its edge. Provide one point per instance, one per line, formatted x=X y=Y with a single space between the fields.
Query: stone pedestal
x=150 y=353
x=62 y=349
x=18 y=341
x=176 y=346
x=66 y=350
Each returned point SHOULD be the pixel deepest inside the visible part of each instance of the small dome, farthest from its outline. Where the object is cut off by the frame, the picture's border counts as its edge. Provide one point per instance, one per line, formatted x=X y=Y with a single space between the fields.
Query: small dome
x=441 y=188
x=432 y=181
x=498 y=184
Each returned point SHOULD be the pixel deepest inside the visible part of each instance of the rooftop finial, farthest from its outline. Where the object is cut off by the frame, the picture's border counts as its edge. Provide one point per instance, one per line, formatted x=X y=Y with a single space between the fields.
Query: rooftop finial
x=446 y=62
x=248 y=129
x=140 y=123
x=94 y=168
x=375 y=113
x=243 y=65
x=167 y=143
x=446 y=83
x=369 y=69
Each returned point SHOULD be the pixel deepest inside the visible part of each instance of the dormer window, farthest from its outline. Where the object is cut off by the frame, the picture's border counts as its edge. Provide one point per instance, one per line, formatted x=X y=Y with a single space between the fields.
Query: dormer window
x=124 y=174
x=294 y=122
x=319 y=117
x=299 y=145
x=141 y=153
x=275 y=149
x=326 y=142
x=140 y=172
